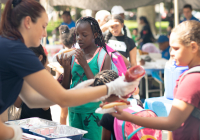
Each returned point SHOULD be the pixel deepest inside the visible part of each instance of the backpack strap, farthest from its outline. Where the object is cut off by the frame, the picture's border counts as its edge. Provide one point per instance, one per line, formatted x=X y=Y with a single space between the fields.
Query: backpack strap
x=101 y=58
x=192 y=70
x=196 y=112
x=72 y=61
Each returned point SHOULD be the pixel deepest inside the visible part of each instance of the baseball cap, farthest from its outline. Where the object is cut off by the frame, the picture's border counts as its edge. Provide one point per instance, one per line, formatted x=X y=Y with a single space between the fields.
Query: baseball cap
x=116 y=10
x=163 y=38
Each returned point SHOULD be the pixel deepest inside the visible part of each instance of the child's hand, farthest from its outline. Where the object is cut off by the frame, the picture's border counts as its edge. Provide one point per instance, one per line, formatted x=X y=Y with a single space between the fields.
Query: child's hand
x=122 y=115
x=80 y=56
x=64 y=61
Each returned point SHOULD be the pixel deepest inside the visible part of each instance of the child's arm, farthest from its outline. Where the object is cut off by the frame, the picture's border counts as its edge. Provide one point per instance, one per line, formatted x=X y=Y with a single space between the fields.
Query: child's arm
x=180 y=111
x=63 y=115
x=80 y=56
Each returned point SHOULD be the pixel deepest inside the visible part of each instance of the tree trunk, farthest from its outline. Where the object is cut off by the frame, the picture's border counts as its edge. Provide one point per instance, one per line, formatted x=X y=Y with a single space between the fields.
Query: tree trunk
x=150 y=14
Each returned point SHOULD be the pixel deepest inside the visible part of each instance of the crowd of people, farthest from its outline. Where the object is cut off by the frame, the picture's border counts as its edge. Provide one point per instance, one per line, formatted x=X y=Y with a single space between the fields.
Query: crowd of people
x=26 y=82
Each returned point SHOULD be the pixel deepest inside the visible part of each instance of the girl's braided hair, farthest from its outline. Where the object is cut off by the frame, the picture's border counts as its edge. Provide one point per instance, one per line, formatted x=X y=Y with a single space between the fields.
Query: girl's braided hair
x=104 y=77
x=109 y=35
x=99 y=39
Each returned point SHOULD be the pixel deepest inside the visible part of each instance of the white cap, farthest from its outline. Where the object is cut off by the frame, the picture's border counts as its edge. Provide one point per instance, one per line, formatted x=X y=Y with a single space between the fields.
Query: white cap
x=101 y=14
x=116 y=10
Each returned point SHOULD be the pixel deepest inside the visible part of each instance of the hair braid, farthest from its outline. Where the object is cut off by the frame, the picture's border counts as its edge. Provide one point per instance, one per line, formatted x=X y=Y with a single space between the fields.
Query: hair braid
x=108 y=36
x=99 y=40
x=104 y=77
x=126 y=41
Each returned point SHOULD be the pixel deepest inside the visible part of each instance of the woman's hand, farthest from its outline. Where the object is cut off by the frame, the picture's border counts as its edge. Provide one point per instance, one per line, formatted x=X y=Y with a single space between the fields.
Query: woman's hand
x=80 y=56
x=64 y=61
x=121 y=115
x=120 y=87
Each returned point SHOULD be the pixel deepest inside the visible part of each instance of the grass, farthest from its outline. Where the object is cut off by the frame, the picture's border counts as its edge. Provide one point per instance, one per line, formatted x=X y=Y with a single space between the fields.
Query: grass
x=129 y=23
x=52 y=25
x=133 y=24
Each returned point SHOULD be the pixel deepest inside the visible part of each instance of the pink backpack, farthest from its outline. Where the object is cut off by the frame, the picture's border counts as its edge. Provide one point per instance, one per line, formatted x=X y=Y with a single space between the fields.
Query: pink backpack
x=117 y=60
x=129 y=131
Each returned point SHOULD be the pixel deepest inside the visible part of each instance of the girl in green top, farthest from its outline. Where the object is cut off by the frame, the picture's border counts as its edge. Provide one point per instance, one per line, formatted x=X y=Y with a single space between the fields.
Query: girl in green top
x=85 y=66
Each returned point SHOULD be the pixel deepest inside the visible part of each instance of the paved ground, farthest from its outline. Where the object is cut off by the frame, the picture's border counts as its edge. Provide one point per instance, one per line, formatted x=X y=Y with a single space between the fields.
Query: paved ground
x=55 y=111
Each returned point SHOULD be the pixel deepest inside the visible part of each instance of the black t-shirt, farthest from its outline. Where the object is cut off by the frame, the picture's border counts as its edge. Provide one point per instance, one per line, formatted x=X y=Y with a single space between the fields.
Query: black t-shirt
x=146 y=34
x=117 y=43
x=38 y=112
x=16 y=62
x=107 y=121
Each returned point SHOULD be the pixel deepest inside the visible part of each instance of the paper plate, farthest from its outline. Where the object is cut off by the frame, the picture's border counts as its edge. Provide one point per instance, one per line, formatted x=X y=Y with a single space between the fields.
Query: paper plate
x=110 y=110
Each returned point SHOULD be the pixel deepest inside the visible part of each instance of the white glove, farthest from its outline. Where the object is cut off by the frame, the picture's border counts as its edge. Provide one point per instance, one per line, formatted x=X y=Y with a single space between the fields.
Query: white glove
x=17 y=132
x=120 y=87
x=84 y=84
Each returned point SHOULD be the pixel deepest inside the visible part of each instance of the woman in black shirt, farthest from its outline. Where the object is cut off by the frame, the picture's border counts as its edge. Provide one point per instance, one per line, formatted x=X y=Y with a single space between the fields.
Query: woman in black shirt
x=146 y=35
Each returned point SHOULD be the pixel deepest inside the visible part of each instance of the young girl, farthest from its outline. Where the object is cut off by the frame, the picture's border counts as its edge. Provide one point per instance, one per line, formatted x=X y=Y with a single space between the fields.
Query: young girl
x=85 y=66
x=23 y=25
x=185 y=44
x=67 y=37
x=119 y=42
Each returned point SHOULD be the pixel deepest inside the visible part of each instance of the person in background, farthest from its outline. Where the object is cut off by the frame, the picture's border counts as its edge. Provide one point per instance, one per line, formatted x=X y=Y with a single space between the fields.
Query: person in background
x=67 y=37
x=102 y=17
x=163 y=42
x=121 y=42
x=135 y=34
x=116 y=10
x=146 y=35
x=187 y=12
x=183 y=119
x=67 y=20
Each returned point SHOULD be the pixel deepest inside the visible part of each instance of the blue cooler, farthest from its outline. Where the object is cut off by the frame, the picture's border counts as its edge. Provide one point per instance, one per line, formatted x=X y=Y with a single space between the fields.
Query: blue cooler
x=162 y=105
x=171 y=74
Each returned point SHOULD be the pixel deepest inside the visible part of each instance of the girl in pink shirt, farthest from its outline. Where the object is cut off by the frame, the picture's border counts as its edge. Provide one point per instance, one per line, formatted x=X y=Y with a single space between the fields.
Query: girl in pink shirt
x=185 y=44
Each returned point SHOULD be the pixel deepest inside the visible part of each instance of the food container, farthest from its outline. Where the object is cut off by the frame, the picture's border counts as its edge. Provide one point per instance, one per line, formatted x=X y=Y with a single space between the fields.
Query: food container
x=59 y=131
x=26 y=136
x=31 y=123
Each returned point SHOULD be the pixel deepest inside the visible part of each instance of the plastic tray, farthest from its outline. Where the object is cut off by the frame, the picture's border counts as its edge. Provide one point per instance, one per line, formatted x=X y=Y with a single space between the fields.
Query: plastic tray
x=59 y=131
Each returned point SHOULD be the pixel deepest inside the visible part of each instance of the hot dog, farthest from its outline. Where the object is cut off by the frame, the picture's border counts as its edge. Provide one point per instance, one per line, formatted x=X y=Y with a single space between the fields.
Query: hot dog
x=107 y=105
x=66 y=50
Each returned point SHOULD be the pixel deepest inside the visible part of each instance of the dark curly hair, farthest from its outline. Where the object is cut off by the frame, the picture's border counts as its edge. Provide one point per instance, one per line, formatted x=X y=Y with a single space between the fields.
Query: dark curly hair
x=67 y=35
x=104 y=77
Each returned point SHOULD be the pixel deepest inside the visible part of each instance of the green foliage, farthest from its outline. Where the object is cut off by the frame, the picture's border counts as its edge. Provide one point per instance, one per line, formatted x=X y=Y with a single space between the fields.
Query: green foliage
x=133 y=24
